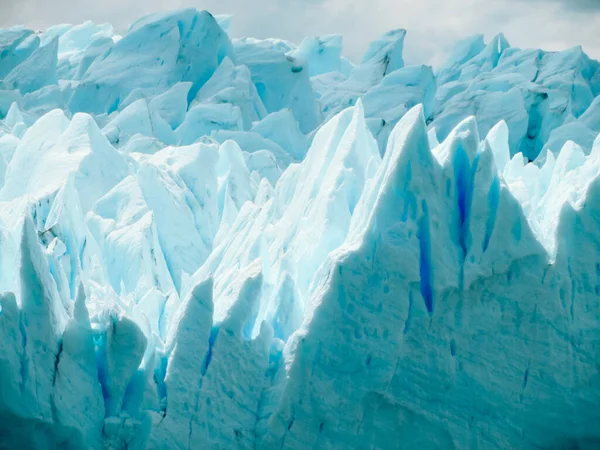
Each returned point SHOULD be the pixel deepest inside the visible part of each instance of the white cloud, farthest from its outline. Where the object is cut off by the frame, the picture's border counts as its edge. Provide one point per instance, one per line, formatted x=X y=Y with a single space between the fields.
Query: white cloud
x=433 y=25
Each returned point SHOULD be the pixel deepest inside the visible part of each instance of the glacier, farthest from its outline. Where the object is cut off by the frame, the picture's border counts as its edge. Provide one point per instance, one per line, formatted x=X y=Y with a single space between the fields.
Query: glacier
x=218 y=242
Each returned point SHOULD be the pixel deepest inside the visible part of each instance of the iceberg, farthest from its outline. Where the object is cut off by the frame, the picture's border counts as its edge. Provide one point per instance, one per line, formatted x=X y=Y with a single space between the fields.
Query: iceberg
x=219 y=242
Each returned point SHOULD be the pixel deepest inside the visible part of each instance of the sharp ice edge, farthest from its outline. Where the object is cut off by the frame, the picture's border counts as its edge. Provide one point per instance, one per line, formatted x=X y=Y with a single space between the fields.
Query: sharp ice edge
x=209 y=242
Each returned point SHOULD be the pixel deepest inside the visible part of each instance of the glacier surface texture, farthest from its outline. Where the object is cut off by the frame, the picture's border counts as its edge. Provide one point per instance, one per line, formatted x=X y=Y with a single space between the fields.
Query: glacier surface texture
x=214 y=243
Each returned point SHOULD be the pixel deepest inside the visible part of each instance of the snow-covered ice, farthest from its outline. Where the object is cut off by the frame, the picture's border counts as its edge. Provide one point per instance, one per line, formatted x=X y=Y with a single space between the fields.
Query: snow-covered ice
x=218 y=242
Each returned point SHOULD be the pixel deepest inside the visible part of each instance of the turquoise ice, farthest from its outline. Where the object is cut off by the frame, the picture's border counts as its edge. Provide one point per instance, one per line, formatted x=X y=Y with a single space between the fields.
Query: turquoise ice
x=219 y=242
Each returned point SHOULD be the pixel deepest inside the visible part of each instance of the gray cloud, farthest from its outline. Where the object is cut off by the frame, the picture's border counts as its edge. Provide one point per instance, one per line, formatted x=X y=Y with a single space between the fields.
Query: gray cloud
x=582 y=4
x=433 y=25
x=572 y=5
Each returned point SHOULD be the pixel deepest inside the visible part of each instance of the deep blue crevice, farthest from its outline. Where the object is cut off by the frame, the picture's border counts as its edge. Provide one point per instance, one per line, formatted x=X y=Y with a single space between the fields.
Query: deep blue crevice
x=493 y=201
x=160 y=373
x=81 y=251
x=214 y=332
x=425 y=263
x=464 y=173
x=463 y=179
x=57 y=361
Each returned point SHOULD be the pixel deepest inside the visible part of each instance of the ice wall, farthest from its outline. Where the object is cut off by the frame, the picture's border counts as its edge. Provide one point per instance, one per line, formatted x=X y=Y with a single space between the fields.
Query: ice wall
x=211 y=242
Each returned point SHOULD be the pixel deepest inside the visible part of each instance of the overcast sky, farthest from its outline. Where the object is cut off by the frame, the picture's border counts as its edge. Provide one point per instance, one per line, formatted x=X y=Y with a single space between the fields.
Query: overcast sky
x=433 y=25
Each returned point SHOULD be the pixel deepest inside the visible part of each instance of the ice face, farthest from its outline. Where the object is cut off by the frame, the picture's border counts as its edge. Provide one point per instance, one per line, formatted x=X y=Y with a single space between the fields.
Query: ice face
x=163 y=45
x=209 y=242
x=281 y=80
